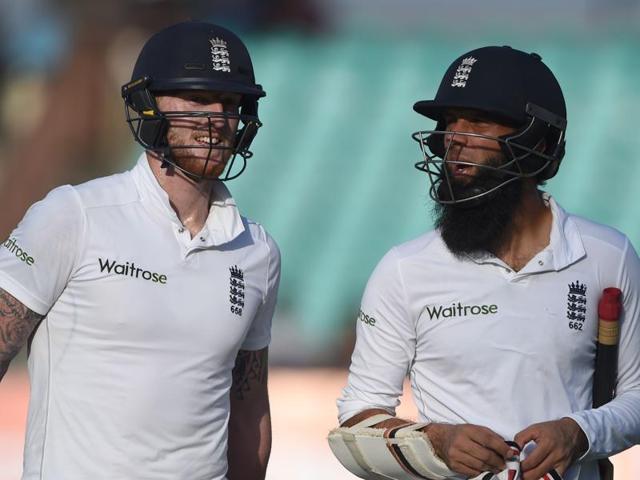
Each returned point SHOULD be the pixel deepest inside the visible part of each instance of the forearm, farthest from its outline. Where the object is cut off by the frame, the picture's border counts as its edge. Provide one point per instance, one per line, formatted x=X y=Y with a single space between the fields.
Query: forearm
x=390 y=422
x=9 y=348
x=249 y=446
x=250 y=418
x=444 y=450
x=432 y=430
x=16 y=324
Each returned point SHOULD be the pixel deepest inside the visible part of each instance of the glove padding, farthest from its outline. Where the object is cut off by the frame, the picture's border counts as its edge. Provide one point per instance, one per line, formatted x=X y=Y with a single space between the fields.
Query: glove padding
x=403 y=452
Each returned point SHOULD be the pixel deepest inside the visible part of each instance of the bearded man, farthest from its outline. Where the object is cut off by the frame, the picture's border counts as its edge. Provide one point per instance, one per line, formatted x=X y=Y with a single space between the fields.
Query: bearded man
x=493 y=314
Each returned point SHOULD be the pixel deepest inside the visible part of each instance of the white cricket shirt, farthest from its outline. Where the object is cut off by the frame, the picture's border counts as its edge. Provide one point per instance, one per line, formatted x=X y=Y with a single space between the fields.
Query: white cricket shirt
x=489 y=346
x=131 y=369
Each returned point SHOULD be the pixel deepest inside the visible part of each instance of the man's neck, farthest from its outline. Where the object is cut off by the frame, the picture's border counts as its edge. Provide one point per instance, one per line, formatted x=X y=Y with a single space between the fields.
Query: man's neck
x=189 y=199
x=530 y=231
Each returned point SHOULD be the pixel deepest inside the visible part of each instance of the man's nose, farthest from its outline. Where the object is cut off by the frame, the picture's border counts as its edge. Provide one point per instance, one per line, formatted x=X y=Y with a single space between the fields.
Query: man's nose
x=455 y=133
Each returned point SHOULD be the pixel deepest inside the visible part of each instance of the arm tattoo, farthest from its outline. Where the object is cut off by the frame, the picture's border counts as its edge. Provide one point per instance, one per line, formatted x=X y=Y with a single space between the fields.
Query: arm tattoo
x=250 y=369
x=16 y=324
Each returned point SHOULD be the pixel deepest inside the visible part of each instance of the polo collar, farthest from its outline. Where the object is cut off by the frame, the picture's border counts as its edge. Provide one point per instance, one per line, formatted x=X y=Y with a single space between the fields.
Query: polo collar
x=565 y=244
x=223 y=224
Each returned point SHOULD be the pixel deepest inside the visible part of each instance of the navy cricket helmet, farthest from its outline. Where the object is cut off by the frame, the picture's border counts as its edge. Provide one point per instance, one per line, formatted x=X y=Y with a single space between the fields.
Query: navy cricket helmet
x=192 y=56
x=511 y=87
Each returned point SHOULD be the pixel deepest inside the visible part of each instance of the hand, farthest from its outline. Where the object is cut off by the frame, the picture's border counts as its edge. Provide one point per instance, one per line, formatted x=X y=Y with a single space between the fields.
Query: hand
x=468 y=449
x=558 y=444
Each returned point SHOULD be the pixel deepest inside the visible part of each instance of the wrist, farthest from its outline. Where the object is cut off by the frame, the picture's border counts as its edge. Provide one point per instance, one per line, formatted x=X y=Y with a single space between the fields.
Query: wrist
x=435 y=434
x=580 y=441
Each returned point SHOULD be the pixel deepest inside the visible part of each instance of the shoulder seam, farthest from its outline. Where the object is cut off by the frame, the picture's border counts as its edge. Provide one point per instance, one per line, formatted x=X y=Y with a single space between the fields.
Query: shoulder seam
x=394 y=251
x=82 y=240
x=266 y=276
x=107 y=205
x=625 y=249
x=577 y=220
x=115 y=203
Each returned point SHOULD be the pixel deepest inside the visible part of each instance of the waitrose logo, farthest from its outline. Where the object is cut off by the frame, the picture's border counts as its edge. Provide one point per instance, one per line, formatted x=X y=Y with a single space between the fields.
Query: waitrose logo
x=459 y=310
x=130 y=270
x=11 y=245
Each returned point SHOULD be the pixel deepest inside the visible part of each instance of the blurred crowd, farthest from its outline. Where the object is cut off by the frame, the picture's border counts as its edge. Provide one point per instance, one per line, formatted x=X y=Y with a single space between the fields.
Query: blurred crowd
x=62 y=63
x=331 y=92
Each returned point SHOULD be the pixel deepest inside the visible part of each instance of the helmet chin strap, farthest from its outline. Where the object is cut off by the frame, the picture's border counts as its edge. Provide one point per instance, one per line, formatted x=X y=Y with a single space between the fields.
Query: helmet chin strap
x=165 y=164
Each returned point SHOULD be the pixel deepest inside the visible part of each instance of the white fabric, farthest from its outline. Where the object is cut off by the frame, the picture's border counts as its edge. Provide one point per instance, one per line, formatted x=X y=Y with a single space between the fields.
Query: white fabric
x=131 y=368
x=488 y=346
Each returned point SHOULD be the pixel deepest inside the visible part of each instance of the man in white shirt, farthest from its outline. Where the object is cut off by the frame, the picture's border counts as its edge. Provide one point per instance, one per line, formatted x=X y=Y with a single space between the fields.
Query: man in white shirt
x=146 y=297
x=494 y=314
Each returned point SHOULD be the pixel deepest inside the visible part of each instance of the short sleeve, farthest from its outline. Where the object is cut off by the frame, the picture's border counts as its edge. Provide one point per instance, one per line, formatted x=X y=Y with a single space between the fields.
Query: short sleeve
x=38 y=258
x=259 y=334
x=385 y=344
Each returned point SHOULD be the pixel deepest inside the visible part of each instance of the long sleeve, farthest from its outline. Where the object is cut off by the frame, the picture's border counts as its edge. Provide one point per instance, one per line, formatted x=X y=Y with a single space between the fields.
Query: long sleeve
x=385 y=344
x=616 y=425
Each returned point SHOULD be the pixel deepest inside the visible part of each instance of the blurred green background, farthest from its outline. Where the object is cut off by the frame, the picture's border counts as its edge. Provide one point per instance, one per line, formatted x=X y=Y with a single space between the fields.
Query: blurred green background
x=332 y=178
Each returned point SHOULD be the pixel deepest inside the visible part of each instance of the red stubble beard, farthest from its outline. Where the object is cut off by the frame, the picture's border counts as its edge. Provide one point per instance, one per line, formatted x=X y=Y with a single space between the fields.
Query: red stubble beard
x=196 y=157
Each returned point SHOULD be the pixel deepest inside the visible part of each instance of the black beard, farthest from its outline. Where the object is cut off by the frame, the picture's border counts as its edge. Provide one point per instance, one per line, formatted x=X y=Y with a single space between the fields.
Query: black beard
x=483 y=226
